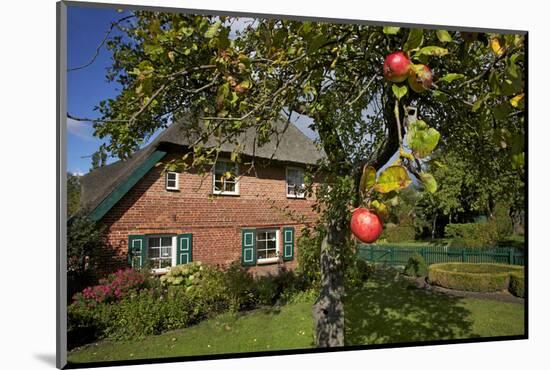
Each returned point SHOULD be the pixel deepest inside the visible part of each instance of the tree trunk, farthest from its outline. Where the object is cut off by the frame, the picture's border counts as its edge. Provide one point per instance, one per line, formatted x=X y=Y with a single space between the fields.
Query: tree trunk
x=328 y=310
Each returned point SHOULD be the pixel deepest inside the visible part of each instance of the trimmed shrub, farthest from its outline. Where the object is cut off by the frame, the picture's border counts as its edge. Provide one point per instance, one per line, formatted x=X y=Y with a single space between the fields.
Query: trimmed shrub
x=517 y=284
x=476 y=277
x=416 y=266
x=473 y=235
x=399 y=234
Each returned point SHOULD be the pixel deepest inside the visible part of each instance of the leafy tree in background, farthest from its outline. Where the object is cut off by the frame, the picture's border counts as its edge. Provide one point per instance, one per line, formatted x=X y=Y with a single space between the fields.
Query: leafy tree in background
x=223 y=82
x=73 y=194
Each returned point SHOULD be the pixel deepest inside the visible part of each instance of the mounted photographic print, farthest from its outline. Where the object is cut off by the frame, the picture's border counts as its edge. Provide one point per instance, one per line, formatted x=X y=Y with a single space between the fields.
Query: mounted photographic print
x=247 y=184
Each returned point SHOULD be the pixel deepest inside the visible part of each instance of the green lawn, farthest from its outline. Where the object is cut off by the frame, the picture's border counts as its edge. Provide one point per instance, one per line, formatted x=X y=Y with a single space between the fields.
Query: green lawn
x=384 y=311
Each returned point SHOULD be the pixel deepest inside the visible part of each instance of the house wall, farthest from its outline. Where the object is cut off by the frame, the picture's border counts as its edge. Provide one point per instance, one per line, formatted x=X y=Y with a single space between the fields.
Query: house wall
x=215 y=221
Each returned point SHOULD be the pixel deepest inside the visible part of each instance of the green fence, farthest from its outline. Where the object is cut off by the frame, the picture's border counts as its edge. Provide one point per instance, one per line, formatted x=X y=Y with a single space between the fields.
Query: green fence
x=398 y=255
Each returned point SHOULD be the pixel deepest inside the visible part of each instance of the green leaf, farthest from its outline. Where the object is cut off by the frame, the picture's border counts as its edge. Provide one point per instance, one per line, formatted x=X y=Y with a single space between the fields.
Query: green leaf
x=421 y=138
x=450 y=77
x=428 y=181
x=380 y=209
x=443 y=36
x=391 y=30
x=518 y=160
x=368 y=178
x=478 y=103
x=392 y=178
x=501 y=111
x=212 y=30
x=399 y=92
x=433 y=51
x=415 y=39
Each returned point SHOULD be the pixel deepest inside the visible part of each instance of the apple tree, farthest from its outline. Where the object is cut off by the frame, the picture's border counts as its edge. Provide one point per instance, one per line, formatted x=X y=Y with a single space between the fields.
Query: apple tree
x=466 y=90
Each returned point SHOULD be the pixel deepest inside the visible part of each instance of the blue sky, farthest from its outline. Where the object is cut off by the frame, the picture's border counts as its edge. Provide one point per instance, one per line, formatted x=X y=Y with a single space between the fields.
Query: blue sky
x=86 y=87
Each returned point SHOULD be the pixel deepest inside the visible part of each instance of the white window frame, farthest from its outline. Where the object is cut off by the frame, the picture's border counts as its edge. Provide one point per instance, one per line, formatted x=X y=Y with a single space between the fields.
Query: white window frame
x=177 y=186
x=294 y=195
x=164 y=270
x=264 y=261
x=237 y=178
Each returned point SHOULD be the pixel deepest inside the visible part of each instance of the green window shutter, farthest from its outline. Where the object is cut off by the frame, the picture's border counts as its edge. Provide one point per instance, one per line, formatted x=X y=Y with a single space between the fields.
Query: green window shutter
x=184 y=249
x=288 y=243
x=249 y=247
x=137 y=251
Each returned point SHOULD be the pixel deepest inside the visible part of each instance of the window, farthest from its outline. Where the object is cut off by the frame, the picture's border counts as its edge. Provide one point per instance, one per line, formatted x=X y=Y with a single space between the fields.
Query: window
x=266 y=244
x=160 y=251
x=225 y=178
x=295 y=183
x=172 y=181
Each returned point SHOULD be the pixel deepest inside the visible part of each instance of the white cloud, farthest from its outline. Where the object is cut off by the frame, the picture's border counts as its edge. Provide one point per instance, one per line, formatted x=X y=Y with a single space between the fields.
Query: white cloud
x=82 y=130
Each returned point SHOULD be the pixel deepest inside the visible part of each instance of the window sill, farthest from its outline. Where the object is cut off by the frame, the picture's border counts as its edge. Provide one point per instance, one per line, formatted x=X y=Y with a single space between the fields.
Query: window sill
x=267 y=261
x=295 y=196
x=161 y=271
x=223 y=193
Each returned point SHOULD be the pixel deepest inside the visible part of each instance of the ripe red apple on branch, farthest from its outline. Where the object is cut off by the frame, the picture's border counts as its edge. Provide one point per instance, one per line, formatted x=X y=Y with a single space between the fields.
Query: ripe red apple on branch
x=396 y=67
x=420 y=78
x=366 y=225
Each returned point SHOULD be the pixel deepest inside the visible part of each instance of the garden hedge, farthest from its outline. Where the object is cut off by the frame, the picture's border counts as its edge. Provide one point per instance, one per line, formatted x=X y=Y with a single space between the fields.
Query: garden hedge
x=475 y=277
x=517 y=284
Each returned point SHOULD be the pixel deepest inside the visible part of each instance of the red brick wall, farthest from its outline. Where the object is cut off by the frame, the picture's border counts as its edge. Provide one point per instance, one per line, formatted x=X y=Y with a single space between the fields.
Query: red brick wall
x=214 y=220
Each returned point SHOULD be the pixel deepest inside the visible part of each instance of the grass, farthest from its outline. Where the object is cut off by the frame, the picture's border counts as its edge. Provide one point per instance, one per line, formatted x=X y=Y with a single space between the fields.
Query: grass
x=383 y=311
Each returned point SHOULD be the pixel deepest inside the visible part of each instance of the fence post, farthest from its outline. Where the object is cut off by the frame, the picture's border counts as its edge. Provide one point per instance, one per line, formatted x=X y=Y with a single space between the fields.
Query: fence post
x=392 y=257
x=463 y=255
x=511 y=258
x=371 y=253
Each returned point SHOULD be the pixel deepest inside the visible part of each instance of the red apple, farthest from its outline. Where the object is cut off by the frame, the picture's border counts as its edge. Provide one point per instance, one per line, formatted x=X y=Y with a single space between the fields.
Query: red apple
x=396 y=67
x=366 y=225
x=420 y=78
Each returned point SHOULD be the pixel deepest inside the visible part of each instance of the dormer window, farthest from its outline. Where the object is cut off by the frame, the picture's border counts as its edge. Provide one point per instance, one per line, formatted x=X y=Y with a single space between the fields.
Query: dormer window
x=225 y=178
x=172 y=181
x=295 y=187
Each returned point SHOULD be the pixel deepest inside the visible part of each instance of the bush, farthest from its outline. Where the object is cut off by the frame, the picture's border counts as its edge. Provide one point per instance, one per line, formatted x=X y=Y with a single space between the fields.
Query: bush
x=398 y=234
x=115 y=287
x=239 y=284
x=473 y=235
x=357 y=273
x=476 y=277
x=185 y=275
x=416 y=266
x=502 y=220
x=130 y=304
x=517 y=284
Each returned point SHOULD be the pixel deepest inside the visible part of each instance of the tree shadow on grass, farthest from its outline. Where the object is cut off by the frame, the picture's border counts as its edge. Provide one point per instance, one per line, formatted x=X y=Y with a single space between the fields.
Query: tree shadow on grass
x=389 y=311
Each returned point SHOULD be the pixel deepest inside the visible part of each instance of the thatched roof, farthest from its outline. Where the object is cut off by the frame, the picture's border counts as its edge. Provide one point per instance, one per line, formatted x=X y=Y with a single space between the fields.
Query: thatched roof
x=288 y=145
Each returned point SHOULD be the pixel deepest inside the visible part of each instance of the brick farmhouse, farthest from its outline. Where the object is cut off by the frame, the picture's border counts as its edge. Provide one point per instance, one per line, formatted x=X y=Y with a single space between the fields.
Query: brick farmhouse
x=157 y=219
